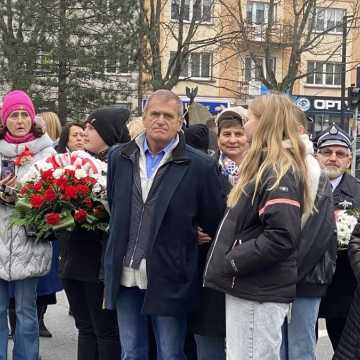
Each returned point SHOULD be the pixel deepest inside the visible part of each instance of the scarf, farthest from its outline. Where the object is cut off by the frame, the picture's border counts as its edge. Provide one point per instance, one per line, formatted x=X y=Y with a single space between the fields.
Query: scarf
x=229 y=168
x=11 y=139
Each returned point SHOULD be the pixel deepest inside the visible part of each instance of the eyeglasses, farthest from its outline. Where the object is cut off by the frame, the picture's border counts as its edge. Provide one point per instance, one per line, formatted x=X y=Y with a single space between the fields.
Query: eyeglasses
x=338 y=153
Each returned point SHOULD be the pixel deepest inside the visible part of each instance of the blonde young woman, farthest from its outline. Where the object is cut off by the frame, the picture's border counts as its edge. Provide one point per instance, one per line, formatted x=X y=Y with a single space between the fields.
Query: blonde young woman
x=253 y=257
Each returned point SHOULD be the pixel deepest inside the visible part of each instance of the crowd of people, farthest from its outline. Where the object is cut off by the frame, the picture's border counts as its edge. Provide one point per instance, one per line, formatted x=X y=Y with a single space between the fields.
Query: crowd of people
x=210 y=254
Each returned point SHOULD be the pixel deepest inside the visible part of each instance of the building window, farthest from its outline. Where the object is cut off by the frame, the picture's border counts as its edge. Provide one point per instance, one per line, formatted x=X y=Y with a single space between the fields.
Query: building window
x=328 y=19
x=320 y=73
x=196 y=66
x=257 y=12
x=253 y=73
x=200 y=10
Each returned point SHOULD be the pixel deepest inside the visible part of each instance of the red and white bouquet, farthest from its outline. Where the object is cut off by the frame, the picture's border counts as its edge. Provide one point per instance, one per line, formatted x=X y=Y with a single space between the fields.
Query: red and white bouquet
x=61 y=192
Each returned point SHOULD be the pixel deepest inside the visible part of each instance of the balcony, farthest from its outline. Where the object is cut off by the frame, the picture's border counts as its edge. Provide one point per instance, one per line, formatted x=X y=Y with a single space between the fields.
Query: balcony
x=281 y=35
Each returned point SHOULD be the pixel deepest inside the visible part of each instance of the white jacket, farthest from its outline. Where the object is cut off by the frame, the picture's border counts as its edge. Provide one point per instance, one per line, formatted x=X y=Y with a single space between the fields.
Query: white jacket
x=19 y=258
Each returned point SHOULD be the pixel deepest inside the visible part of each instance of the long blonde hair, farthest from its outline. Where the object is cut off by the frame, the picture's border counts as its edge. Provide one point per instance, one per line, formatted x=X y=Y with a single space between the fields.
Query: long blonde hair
x=277 y=117
x=52 y=124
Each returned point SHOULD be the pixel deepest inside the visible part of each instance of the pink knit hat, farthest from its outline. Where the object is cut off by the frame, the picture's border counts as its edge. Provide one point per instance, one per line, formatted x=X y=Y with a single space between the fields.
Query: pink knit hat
x=16 y=100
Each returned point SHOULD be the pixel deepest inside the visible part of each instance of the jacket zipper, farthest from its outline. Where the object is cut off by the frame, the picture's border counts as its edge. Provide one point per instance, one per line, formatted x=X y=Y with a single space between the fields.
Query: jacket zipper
x=137 y=236
x=10 y=252
x=215 y=242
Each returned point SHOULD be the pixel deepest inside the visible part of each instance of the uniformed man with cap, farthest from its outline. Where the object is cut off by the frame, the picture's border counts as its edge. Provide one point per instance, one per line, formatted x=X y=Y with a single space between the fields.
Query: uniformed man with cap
x=334 y=156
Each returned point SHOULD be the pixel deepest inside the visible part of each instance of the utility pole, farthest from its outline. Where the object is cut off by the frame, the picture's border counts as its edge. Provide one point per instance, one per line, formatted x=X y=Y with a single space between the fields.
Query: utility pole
x=343 y=71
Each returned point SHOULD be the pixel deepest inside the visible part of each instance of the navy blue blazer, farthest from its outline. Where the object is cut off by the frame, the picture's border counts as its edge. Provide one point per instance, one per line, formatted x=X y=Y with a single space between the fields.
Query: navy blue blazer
x=190 y=195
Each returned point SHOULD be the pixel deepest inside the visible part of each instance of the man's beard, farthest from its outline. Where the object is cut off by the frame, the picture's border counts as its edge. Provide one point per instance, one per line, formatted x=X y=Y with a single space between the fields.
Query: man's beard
x=334 y=172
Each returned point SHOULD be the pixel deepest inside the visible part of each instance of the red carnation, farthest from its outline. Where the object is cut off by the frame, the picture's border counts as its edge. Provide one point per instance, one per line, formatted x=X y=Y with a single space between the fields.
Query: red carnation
x=50 y=194
x=61 y=182
x=36 y=201
x=83 y=189
x=70 y=192
x=38 y=185
x=88 y=203
x=80 y=216
x=47 y=175
x=52 y=218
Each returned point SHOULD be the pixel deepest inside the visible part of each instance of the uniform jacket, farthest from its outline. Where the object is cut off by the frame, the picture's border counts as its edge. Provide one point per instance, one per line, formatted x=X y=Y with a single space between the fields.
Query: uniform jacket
x=190 y=195
x=19 y=258
x=254 y=254
x=337 y=302
x=349 y=346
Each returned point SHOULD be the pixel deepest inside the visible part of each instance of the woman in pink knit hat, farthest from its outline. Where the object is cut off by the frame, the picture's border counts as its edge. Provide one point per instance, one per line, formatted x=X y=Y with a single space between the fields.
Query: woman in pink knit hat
x=21 y=261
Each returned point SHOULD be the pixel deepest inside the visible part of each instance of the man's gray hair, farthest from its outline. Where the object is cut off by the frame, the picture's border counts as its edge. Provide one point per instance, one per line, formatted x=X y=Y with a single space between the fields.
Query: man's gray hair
x=166 y=95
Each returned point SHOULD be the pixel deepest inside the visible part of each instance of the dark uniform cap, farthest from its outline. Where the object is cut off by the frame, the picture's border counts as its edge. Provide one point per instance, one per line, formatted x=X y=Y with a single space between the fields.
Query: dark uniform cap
x=334 y=136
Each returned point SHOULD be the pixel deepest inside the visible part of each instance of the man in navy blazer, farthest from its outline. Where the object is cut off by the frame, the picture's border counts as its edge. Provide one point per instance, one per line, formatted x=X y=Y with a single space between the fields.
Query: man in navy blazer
x=160 y=191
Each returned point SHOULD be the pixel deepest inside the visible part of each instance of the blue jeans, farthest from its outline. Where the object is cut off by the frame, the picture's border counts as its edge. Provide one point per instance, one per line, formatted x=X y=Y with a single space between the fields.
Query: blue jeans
x=210 y=347
x=169 y=331
x=26 y=341
x=299 y=338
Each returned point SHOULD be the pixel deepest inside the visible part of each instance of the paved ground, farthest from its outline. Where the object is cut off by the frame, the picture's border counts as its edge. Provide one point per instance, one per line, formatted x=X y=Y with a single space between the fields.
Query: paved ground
x=62 y=346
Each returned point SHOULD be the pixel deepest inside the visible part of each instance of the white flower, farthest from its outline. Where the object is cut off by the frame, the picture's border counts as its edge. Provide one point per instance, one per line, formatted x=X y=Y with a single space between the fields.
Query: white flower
x=58 y=173
x=43 y=166
x=70 y=167
x=345 y=225
x=80 y=173
x=30 y=176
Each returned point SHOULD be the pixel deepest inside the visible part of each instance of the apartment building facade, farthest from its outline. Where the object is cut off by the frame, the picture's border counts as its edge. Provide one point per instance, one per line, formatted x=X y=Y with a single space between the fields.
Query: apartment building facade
x=227 y=76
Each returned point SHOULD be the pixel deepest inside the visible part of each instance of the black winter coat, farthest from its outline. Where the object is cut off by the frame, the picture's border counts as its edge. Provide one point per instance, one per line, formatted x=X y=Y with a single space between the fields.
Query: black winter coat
x=189 y=196
x=339 y=295
x=317 y=246
x=349 y=345
x=208 y=318
x=254 y=253
x=80 y=254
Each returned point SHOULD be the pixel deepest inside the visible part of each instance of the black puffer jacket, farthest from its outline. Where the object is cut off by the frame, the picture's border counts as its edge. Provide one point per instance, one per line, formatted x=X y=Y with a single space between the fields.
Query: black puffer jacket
x=349 y=346
x=254 y=253
x=317 y=246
